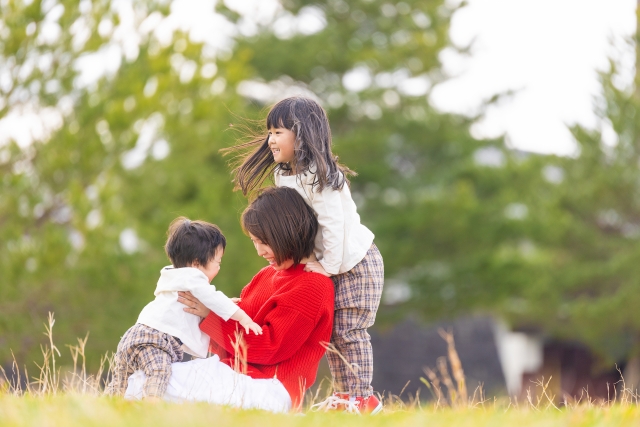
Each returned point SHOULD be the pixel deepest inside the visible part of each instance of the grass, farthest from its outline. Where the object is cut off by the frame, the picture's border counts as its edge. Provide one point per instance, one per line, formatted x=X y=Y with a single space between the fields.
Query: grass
x=75 y=398
x=79 y=410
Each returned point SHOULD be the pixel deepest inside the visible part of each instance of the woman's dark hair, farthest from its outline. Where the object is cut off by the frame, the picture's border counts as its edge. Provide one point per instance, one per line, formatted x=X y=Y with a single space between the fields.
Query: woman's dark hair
x=280 y=218
x=312 y=151
x=190 y=242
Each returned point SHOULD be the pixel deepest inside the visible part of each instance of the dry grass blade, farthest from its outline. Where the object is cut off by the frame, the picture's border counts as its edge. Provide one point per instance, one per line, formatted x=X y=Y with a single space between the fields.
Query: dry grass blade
x=458 y=396
x=54 y=377
x=435 y=385
x=540 y=400
x=45 y=382
x=532 y=405
x=628 y=396
x=107 y=360
x=456 y=365
x=404 y=388
x=13 y=385
x=78 y=381
x=542 y=396
x=239 y=353
x=353 y=367
x=315 y=397
x=479 y=392
x=446 y=379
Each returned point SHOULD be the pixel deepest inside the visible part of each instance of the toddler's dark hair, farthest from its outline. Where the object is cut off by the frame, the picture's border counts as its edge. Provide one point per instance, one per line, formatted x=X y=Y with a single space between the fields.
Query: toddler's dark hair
x=308 y=120
x=280 y=218
x=192 y=242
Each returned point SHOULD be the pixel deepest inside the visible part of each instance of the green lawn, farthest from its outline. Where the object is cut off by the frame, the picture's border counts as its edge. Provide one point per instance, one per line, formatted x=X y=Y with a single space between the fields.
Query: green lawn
x=67 y=400
x=76 y=410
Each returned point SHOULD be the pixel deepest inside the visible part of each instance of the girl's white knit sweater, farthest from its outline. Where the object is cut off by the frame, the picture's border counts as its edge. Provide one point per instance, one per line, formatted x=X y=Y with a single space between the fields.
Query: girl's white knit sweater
x=342 y=241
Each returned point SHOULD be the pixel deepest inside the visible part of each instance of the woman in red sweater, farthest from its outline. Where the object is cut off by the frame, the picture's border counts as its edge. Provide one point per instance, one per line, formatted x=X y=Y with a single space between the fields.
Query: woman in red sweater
x=294 y=308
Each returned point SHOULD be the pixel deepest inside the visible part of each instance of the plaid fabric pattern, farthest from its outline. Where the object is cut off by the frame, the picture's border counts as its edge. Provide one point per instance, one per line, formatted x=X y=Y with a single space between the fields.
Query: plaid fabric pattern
x=358 y=293
x=149 y=350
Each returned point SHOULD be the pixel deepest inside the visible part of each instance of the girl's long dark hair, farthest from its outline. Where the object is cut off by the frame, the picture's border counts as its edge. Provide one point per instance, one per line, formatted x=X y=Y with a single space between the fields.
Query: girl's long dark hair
x=308 y=120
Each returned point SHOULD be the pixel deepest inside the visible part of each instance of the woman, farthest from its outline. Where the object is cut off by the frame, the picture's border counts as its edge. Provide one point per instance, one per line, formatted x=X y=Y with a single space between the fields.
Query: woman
x=293 y=307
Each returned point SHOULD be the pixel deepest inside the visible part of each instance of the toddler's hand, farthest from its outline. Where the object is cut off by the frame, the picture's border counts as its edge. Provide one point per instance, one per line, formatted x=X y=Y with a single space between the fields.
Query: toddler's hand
x=251 y=326
x=316 y=267
x=235 y=300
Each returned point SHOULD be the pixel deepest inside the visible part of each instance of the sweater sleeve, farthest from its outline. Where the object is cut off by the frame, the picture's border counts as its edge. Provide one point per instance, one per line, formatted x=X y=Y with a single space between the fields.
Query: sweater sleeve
x=283 y=332
x=285 y=328
x=213 y=299
x=328 y=205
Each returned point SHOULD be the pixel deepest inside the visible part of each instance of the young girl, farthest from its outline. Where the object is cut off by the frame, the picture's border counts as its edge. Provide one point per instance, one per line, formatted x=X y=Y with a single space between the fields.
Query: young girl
x=297 y=151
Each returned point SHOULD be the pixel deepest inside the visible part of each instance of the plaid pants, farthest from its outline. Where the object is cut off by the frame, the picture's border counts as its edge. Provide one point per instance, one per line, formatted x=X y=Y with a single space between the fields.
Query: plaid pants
x=149 y=350
x=358 y=293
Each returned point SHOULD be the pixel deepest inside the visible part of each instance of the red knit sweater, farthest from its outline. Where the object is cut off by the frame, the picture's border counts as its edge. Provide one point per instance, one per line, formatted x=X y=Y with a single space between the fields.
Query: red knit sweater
x=295 y=309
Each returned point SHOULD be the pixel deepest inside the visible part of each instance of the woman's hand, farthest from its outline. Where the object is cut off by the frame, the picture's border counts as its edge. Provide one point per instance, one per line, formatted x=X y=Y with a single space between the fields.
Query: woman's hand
x=316 y=267
x=193 y=304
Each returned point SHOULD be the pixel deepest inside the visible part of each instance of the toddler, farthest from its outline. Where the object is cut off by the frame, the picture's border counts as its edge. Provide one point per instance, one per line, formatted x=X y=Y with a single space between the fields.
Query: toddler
x=164 y=330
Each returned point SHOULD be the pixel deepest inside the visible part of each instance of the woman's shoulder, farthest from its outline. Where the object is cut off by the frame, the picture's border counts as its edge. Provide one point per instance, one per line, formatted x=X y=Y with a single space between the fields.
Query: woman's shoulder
x=315 y=292
x=315 y=281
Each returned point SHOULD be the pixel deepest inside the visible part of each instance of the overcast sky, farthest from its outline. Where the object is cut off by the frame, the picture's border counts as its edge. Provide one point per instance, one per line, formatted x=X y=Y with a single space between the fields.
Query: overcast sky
x=546 y=50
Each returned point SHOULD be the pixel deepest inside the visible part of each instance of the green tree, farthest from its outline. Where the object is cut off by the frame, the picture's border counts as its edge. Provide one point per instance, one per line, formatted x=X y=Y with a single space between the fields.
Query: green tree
x=42 y=196
x=456 y=218
x=548 y=242
x=84 y=211
x=588 y=289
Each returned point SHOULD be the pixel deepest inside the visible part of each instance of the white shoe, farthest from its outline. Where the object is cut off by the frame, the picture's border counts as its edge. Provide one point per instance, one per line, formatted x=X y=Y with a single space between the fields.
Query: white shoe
x=335 y=402
x=354 y=405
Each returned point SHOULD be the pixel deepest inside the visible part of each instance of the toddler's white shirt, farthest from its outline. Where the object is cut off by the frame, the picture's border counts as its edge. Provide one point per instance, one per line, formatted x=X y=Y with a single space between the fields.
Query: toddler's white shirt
x=166 y=314
x=342 y=241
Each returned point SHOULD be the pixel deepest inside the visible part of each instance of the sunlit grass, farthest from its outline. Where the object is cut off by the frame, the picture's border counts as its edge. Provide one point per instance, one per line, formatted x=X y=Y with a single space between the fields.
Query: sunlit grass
x=55 y=398
x=80 y=410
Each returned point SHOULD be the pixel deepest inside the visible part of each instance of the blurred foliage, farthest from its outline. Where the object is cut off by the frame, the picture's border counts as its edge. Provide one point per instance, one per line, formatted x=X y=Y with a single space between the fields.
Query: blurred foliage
x=463 y=224
x=588 y=288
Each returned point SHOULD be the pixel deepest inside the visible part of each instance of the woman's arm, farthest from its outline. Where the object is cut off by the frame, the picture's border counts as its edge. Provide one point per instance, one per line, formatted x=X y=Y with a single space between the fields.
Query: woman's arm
x=285 y=327
x=193 y=304
x=283 y=333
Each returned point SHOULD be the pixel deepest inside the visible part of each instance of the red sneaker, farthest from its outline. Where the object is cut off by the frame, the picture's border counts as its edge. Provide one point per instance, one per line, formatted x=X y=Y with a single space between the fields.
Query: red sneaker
x=368 y=405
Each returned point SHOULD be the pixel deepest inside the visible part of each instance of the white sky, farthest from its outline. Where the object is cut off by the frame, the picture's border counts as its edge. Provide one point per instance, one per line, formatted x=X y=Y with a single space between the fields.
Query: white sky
x=547 y=50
